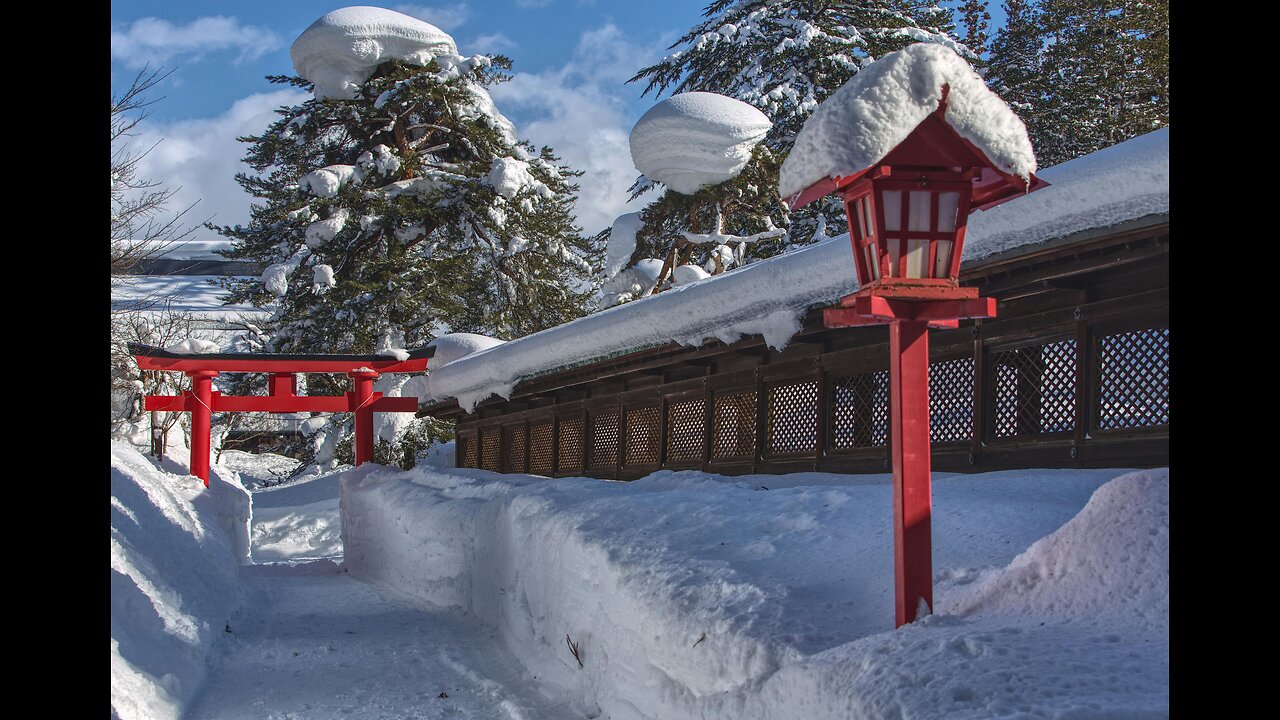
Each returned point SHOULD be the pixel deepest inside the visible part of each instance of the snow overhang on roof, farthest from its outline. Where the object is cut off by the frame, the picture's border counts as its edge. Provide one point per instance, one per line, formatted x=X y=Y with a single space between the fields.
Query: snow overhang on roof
x=864 y=121
x=1125 y=182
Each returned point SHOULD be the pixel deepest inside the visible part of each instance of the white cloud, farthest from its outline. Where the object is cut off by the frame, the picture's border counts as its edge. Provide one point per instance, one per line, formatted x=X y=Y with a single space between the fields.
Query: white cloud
x=581 y=111
x=492 y=43
x=202 y=156
x=155 y=41
x=445 y=17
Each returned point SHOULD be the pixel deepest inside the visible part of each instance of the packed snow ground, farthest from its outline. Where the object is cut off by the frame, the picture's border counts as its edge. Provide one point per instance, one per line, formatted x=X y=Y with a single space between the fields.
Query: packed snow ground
x=687 y=594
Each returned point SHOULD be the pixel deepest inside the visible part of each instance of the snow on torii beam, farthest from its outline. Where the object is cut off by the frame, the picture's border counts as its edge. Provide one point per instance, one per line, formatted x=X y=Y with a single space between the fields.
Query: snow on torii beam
x=202 y=401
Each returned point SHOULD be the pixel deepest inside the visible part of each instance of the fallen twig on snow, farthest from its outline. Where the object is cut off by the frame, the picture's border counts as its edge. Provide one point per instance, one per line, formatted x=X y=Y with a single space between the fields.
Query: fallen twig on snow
x=573 y=648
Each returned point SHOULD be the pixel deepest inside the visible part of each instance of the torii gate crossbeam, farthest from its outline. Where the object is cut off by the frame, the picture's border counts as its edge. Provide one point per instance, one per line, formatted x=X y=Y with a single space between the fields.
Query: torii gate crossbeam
x=202 y=400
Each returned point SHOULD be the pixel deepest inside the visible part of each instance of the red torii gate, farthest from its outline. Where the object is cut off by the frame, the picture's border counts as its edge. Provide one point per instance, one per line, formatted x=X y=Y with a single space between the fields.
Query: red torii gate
x=202 y=400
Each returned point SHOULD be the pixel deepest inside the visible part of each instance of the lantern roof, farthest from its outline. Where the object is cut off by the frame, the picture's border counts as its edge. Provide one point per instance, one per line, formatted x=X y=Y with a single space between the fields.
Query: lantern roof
x=928 y=94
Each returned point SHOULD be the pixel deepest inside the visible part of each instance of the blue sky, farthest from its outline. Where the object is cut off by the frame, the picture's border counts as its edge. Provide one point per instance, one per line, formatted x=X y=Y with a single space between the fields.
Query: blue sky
x=571 y=62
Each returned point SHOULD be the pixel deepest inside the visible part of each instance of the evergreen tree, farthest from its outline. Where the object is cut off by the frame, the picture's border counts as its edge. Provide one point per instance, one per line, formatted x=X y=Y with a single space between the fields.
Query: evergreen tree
x=1014 y=66
x=1083 y=74
x=408 y=211
x=784 y=58
x=976 y=20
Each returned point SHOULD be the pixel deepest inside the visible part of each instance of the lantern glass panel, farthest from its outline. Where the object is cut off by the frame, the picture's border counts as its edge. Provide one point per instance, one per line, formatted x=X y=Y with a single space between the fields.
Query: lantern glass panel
x=869 y=218
x=943 y=265
x=894 y=246
x=872 y=262
x=917 y=258
x=892 y=200
x=948 y=208
x=918 y=216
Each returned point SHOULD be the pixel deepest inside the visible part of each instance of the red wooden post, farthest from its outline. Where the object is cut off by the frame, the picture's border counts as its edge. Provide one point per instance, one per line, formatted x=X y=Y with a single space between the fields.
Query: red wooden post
x=363 y=399
x=912 y=495
x=201 y=418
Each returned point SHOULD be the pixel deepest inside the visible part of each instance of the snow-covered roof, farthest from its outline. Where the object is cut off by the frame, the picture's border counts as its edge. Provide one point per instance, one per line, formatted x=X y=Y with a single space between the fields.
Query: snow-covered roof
x=1121 y=183
x=696 y=139
x=879 y=107
x=343 y=48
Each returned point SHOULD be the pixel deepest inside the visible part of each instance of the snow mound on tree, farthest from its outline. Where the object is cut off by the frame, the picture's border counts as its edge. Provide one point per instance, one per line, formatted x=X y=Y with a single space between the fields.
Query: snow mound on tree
x=343 y=48
x=327 y=181
x=695 y=139
x=622 y=243
x=508 y=176
x=864 y=120
x=456 y=345
x=685 y=274
x=631 y=283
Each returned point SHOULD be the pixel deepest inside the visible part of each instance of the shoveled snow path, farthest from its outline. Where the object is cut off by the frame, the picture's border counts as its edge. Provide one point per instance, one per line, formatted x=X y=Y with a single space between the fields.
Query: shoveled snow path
x=311 y=642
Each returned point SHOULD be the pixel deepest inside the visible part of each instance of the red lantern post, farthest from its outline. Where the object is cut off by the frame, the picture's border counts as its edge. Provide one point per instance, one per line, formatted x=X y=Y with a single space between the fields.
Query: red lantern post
x=907 y=215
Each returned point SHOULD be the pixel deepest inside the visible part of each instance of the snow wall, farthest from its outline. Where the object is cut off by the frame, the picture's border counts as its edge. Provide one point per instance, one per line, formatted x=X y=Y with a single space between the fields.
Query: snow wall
x=175 y=551
x=693 y=596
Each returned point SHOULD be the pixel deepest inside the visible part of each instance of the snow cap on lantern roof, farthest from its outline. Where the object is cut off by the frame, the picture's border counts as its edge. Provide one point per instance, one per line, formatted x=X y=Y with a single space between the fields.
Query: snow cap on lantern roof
x=695 y=139
x=343 y=48
x=863 y=121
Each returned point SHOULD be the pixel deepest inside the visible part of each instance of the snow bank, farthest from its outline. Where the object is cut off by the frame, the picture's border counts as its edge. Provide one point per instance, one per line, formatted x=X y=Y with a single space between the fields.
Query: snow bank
x=690 y=596
x=696 y=139
x=343 y=48
x=175 y=547
x=861 y=122
x=1077 y=626
x=1125 y=182
x=453 y=346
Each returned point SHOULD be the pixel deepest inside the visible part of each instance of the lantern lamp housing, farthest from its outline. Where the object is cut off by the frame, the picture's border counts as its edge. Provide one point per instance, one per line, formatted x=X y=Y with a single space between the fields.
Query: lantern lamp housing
x=908 y=212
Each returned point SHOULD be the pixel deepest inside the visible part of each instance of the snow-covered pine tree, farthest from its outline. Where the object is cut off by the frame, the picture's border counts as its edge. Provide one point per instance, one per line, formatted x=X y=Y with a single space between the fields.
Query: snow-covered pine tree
x=402 y=206
x=783 y=57
x=1084 y=74
x=1013 y=67
x=976 y=20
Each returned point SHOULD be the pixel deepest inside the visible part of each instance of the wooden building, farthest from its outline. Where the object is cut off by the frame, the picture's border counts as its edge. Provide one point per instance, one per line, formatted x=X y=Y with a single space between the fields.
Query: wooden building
x=1074 y=371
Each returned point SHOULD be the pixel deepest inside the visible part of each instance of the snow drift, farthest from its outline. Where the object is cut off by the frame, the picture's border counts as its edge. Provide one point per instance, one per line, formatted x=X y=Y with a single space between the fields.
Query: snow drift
x=879 y=107
x=691 y=596
x=175 y=550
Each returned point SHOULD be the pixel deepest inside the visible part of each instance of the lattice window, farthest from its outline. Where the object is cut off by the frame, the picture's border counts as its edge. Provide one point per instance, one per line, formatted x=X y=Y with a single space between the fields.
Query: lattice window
x=951 y=400
x=642 y=436
x=570 y=444
x=792 y=418
x=540 y=437
x=860 y=410
x=468 y=450
x=513 y=449
x=686 y=429
x=604 y=440
x=1035 y=389
x=490 y=449
x=1133 y=379
x=735 y=426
